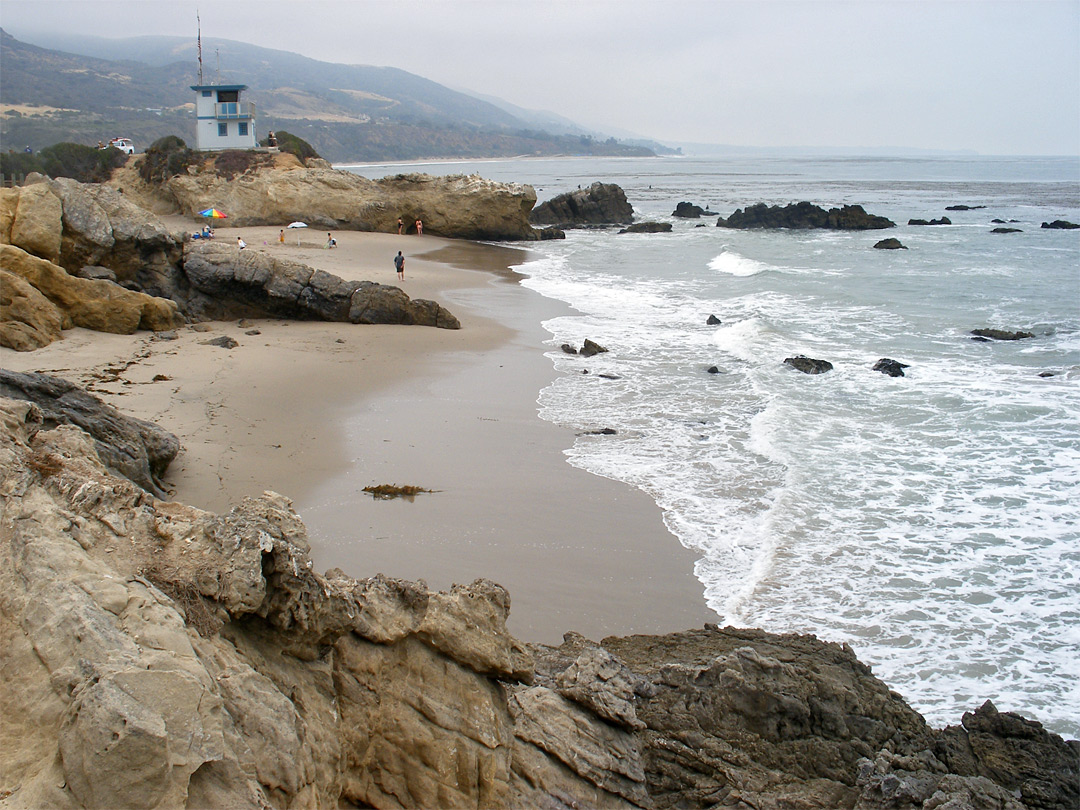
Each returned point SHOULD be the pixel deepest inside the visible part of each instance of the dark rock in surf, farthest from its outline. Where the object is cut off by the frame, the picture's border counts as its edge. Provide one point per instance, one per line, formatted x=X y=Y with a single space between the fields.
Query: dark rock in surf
x=893 y=368
x=610 y=376
x=599 y=204
x=566 y=347
x=808 y=365
x=713 y=370
x=963 y=207
x=551 y=233
x=588 y=349
x=1061 y=224
x=600 y=432
x=804 y=216
x=687 y=210
x=1007 y=230
x=891 y=243
x=648 y=227
x=1048 y=374
x=713 y=321
x=941 y=221
x=1001 y=334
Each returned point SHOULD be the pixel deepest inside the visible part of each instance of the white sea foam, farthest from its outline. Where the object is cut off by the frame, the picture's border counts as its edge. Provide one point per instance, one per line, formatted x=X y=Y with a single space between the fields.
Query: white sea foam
x=931 y=520
x=733 y=264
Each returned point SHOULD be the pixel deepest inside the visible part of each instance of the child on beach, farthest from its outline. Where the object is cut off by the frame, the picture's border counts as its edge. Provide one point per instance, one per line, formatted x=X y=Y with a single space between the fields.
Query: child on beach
x=240 y=243
x=330 y=241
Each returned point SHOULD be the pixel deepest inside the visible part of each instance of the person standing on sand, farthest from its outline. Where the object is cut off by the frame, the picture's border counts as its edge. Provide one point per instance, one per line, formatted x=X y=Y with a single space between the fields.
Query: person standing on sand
x=399 y=263
x=419 y=228
x=400 y=225
x=281 y=236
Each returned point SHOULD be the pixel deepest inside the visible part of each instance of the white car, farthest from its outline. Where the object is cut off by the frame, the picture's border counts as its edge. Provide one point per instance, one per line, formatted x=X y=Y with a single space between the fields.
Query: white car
x=125 y=145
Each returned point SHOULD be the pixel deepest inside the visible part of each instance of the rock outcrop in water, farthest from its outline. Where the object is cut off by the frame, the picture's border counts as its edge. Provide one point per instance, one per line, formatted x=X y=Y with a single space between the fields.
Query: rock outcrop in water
x=599 y=204
x=156 y=655
x=803 y=216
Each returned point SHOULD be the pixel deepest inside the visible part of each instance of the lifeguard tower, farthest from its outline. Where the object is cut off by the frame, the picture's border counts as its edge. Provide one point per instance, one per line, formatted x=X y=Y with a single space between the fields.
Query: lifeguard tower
x=222 y=120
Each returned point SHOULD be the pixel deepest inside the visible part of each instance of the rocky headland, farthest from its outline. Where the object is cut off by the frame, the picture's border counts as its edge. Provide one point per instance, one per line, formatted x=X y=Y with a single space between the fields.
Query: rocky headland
x=160 y=656
x=456 y=206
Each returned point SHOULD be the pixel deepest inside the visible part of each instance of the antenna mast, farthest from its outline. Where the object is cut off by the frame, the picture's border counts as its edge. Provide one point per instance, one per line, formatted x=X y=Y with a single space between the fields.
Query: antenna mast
x=198 y=24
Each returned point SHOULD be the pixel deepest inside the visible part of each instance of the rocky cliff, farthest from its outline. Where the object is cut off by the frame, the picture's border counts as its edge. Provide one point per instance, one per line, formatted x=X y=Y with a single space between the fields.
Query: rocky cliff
x=74 y=254
x=155 y=655
x=599 y=204
x=457 y=206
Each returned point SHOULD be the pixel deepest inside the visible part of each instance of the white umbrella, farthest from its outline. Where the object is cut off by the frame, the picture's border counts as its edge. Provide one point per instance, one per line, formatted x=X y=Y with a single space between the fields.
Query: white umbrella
x=297 y=225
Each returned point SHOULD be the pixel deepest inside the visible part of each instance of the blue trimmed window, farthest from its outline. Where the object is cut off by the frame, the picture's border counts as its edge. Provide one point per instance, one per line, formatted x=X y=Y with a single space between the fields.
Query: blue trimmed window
x=207 y=93
x=223 y=130
x=241 y=128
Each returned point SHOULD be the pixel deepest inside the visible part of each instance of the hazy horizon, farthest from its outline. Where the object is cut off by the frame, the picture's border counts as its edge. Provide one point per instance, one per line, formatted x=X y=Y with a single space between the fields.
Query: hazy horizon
x=994 y=78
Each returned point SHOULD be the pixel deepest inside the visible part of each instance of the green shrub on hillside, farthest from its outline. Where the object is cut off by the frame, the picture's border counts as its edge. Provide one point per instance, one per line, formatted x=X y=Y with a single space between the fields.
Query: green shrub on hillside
x=166 y=157
x=287 y=142
x=83 y=163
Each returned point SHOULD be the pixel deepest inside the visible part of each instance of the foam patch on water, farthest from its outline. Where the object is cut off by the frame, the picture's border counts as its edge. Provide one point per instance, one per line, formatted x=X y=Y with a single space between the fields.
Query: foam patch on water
x=735 y=264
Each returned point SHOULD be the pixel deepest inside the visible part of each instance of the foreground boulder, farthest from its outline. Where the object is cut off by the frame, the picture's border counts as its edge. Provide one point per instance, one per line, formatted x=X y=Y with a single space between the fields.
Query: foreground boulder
x=156 y=655
x=226 y=283
x=804 y=215
x=27 y=322
x=599 y=204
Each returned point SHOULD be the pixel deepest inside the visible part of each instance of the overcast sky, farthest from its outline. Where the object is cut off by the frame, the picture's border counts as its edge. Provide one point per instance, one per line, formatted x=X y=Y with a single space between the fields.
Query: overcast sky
x=995 y=77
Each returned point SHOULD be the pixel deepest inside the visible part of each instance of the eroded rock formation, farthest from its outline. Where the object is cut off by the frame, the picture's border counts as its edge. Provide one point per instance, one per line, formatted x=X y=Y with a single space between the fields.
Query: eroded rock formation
x=599 y=204
x=156 y=655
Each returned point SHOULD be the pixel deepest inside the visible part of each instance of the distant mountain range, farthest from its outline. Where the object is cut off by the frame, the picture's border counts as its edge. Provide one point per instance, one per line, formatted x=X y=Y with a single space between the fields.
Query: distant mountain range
x=92 y=89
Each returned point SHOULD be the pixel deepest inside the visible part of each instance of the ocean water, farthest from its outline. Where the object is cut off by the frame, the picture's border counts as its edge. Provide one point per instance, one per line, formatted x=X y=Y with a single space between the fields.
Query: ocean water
x=931 y=521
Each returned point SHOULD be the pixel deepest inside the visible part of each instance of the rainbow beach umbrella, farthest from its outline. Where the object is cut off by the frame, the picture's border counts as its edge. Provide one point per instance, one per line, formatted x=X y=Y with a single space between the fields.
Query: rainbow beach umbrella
x=213 y=213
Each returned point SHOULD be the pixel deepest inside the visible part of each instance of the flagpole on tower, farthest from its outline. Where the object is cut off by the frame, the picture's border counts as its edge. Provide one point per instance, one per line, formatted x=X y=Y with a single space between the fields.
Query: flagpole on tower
x=198 y=24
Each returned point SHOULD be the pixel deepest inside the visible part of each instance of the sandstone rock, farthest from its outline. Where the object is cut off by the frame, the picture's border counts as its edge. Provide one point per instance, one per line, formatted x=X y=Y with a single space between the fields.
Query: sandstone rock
x=893 y=368
x=648 y=227
x=28 y=320
x=1001 y=334
x=92 y=304
x=37 y=224
x=804 y=215
x=808 y=365
x=227 y=283
x=890 y=244
x=139 y=450
x=551 y=232
x=599 y=204
x=458 y=206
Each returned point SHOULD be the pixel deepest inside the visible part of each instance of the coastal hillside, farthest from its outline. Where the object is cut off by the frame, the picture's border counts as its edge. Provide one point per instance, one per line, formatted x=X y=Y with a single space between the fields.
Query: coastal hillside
x=140 y=88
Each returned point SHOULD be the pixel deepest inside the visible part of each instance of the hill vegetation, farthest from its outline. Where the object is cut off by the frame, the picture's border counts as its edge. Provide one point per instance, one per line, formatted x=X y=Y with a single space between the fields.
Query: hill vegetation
x=346 y=112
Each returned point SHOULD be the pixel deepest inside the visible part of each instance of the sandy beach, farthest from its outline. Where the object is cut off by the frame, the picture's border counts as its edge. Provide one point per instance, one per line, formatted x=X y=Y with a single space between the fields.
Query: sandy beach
x=317 y=411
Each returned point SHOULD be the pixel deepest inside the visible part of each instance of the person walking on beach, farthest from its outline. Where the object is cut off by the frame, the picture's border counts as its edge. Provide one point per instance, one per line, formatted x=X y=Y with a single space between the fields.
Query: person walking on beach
x=281 y=236
x=330 y=241
x=419 y=228
x=399 y=263
x=400 y=225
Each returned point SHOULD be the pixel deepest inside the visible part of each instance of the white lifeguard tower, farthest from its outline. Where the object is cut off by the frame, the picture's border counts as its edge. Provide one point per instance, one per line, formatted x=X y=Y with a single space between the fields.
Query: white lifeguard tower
x=222 y=120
